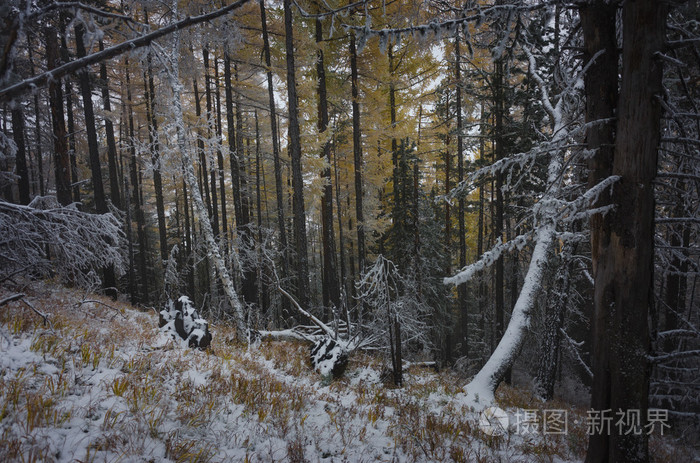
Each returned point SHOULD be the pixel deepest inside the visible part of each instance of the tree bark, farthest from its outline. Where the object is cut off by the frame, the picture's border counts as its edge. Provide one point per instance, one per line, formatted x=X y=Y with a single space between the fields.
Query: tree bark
x=93 y=148
x=203 y=165
x=498 y=219
x=75 y=183
x=461 y=226
x=205 y=224
x=299 y=219
x=209 y=119
x=624 y=252
x=61 y=159
x=37 y=125
x=357 y=155
x=143 y=295
x=279 y=191
x=153 y=140
x=21 y=154
x=331 y=287
x=220 y=158
x=114 y=192
x=249 y=280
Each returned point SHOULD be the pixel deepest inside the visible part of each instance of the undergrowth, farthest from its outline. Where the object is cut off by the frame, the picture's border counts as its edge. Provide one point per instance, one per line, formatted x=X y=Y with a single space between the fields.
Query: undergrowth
x=101 y=384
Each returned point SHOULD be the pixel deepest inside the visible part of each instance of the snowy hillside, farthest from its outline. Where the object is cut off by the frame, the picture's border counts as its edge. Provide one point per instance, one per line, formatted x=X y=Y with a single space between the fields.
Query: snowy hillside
x=99 y=382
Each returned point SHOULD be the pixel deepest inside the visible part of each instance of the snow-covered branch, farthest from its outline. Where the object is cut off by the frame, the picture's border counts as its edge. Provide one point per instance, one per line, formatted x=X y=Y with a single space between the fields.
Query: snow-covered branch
x=42 y=79
x=78 y=242
x=488 y=259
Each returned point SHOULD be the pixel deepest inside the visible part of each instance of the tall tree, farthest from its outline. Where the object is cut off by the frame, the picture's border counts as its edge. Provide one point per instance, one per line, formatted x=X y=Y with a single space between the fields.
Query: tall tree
x=279 y=191
x=90 y=128
x=154 y=144
x=143 y=296
x=93 y=148
x=331 y=286
x=21 y=154
x=114 y=192
x=299 y=219
x=357 y=155
x=461 y=227
x=625 y=253
x=60 y=148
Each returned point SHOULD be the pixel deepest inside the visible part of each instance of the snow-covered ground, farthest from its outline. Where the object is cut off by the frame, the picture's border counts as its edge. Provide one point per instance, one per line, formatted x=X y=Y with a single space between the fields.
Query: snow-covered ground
x=102 y=383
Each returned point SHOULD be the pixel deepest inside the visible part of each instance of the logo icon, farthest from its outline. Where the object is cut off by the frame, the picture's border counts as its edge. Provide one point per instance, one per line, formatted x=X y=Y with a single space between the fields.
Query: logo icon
x=493 y=421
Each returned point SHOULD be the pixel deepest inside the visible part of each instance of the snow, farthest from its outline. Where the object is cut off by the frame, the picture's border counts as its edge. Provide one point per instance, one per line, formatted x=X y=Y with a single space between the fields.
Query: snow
x=148 y=398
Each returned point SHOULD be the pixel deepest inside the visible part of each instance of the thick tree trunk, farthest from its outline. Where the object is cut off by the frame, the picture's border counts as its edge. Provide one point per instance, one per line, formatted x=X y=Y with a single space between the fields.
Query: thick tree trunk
x=93 y=148
x=21 y=155
x=599 y=32
x=210 y=119
x=37 y=124
x=220 y=158
x=461 y=226
x=357 y=154
x=624 y=265
x=279 y=191
x=331 y=287
x=114 y=192
x=555 y=309
x=61 y=160
x=499 y=153
x=143 y=296
x=153 y=139
x=203 y=165
x=299 y=219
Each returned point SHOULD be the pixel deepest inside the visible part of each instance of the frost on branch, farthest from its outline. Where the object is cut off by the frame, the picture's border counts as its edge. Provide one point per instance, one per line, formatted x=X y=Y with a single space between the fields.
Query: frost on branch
x=182 y=322
x=44 y=237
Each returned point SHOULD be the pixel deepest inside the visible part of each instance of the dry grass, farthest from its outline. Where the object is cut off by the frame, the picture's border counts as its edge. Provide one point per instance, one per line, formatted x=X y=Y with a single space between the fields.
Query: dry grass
x=103 y=385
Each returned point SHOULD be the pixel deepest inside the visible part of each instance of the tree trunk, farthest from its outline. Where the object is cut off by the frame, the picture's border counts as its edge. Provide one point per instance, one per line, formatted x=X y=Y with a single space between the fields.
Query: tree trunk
x=37 y=125
x=21 y=154
x=557 y=301
x=140 y=221
x=249 y=280
x=114 y=192
x=461 y=226
x=279 y=191
x=331 y=288
x=263 y=296
x=624 y=264
x=220 y=158
x=133 y=292
x=61 y=160
x=93 y=148
x=357 y=154
x=189 y=234
x=205 y=224
x=210 y=117
x=499 y=110
x=95 y=167
x=299 y=219
x=149 y=90
x=75 y=181
x=203 y=165
x=72 y=154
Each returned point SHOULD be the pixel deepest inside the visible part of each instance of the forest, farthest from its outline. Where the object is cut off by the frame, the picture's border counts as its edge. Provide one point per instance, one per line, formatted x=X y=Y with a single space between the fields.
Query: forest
x=506 y=191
